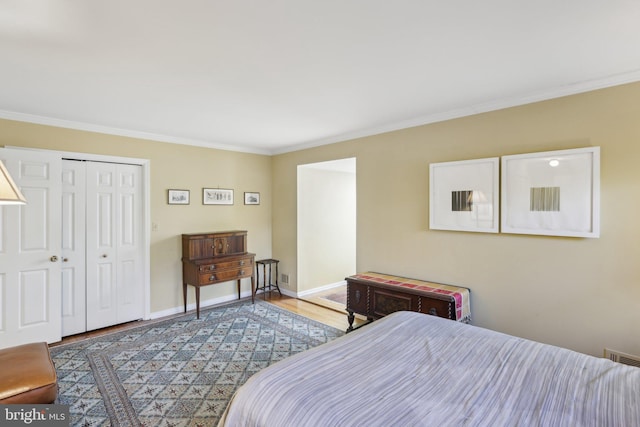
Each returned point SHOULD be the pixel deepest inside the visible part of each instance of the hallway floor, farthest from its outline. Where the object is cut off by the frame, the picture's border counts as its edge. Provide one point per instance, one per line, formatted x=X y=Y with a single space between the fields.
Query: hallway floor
x=334 y=298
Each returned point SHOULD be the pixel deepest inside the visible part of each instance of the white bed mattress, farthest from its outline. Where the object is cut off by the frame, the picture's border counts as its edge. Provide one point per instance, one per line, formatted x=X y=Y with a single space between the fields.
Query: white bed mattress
x=411 y=369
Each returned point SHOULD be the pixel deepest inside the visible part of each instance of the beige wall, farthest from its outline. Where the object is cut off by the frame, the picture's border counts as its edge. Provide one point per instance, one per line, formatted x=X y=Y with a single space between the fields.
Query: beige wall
x=583 y=294
x=180 y=167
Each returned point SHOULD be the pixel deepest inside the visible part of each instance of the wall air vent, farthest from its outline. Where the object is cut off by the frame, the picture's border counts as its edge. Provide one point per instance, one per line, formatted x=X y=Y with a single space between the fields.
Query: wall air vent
x=626 y=359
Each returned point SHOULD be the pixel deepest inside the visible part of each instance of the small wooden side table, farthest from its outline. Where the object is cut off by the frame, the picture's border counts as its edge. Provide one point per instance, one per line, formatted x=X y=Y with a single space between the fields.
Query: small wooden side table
x=266 y=279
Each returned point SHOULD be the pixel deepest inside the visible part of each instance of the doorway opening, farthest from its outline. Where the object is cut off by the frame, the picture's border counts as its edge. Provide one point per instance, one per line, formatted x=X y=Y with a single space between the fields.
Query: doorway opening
x=326 y=225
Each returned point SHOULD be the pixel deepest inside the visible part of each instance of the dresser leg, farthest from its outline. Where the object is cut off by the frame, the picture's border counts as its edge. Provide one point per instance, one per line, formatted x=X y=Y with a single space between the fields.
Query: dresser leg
x=197 y=302
x=253 y=290
x=238 y=288
x=184 y=294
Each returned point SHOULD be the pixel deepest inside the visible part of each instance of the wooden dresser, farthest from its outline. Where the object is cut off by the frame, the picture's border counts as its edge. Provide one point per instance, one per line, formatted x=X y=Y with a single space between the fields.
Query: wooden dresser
x=376 y=295
x=215 y=257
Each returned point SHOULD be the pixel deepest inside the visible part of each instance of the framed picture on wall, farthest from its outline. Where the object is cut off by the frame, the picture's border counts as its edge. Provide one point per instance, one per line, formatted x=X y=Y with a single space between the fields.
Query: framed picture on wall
x=463 y=195
x=217 y=196
x=251 y=198
x=553 y=193
x=178 y=197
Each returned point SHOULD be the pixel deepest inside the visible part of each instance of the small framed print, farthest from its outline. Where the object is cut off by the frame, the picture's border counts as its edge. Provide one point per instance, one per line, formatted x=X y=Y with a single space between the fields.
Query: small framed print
x=251 y=198
x=178 y=197
x=463 y=195
x=217 y=196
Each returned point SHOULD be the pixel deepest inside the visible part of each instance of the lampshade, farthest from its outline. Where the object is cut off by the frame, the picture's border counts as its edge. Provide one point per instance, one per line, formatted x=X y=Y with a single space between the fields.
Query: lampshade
x=9 y=192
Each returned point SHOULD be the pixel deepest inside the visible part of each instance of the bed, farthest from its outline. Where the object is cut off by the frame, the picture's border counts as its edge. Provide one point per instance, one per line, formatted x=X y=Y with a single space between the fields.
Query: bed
x=412 y=369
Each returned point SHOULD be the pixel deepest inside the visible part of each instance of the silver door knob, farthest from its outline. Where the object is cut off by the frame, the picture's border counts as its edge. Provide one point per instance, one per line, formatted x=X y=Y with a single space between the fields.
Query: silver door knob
x=53 y=259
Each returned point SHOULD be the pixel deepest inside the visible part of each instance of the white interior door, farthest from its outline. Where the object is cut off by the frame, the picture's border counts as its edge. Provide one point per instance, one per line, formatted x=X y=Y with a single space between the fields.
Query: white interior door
x=129 y=243
x=101 y=248
x=115 y=285
x=30 y=238
x=74 y=319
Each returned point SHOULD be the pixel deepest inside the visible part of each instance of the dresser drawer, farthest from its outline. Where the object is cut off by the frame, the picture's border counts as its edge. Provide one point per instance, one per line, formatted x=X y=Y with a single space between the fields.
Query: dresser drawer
x=437 y=307
x=236 y=263
x=225 y=275
x=385 y=302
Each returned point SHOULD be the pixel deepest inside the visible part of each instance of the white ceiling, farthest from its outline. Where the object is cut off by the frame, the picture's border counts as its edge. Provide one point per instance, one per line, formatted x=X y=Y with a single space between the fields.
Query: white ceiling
x=274 y=76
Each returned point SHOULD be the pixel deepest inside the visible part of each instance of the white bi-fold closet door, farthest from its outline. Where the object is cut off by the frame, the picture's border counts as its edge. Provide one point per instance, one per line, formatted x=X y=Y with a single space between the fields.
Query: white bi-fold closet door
x=75 y=257
x=102 y=260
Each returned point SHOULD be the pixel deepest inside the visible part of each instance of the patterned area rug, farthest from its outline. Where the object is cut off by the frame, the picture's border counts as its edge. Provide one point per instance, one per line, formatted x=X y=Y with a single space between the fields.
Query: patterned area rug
x=178 y=372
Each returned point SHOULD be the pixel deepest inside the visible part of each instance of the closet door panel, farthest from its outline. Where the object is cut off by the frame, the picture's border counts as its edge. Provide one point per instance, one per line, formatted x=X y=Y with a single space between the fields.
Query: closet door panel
x=104 y=282
x=115 y=283
x=101 y=249
x=73 y=247
x=130 y=261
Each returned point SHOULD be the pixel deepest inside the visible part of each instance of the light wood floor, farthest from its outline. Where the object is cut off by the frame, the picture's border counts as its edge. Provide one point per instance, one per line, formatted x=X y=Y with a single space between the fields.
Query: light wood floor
x=316 y=312
x=318 y=298
x=332 y=317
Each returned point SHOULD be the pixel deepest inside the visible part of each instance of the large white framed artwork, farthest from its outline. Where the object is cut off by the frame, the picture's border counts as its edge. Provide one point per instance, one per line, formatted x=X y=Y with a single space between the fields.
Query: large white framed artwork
x=553 y=193
x=463 y=195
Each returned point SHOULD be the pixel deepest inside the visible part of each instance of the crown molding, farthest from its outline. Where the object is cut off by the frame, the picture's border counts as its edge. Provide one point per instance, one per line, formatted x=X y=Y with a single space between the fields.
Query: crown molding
x=500 y=104
x=572 y=89
x=89 y=127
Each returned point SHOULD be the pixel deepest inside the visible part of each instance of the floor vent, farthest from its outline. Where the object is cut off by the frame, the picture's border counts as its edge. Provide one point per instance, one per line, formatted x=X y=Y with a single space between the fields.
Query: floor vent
x=627 y=359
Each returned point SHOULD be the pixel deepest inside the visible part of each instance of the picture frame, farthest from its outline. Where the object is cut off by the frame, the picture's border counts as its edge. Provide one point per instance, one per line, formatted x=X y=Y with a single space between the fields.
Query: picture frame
x=251 y=198
x=178 y=197
x=553 y=193
x=464 y=195
x=217 y=196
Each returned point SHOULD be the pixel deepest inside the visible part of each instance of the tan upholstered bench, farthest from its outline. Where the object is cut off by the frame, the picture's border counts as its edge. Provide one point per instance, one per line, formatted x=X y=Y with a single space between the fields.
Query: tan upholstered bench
x=27 y=374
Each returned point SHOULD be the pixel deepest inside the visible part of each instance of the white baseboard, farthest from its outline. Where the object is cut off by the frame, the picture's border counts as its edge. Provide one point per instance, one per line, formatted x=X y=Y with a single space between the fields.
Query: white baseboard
x=321 y=288
x=232 y=297
x=288 y=293
x=212 y=301
x=203 y=304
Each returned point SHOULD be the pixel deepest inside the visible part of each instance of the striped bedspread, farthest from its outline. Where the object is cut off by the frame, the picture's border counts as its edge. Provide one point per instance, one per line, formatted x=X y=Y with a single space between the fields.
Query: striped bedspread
x=412 y=369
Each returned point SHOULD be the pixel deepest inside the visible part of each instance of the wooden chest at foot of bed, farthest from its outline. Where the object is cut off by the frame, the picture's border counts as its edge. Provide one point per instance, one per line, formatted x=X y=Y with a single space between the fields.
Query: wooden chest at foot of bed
x=376 y=295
